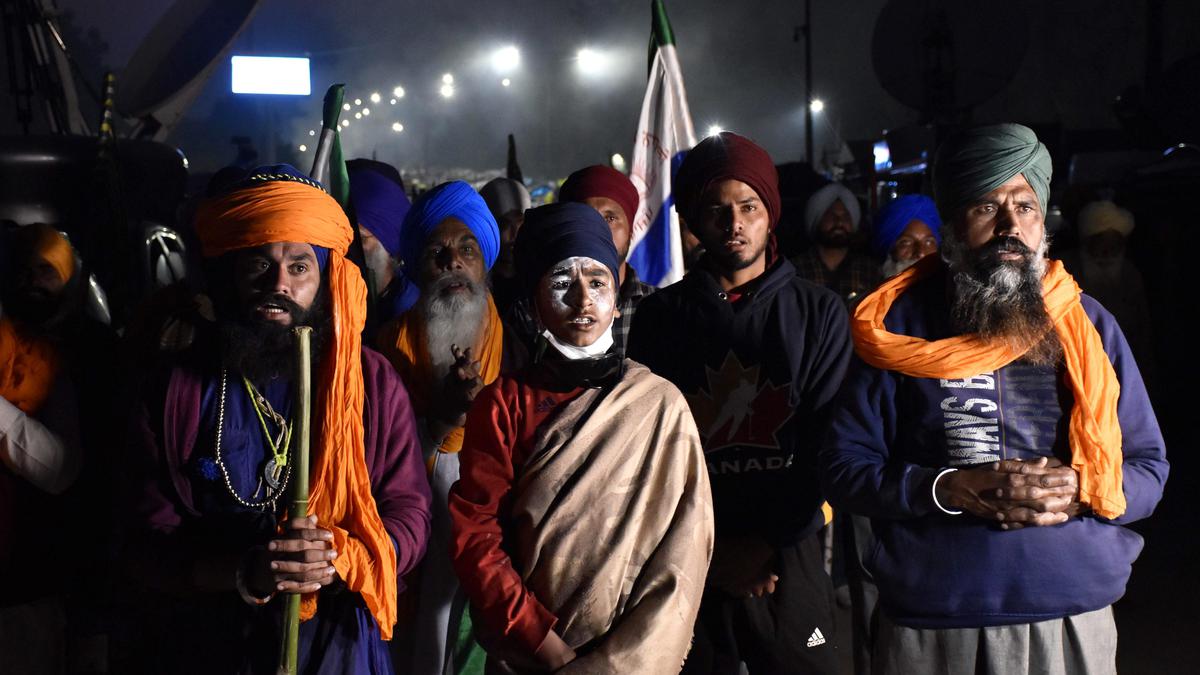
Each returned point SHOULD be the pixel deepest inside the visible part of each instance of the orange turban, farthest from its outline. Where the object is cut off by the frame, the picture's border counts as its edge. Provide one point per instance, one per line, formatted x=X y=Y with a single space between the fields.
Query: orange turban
x=283 y=208
x=48 y=244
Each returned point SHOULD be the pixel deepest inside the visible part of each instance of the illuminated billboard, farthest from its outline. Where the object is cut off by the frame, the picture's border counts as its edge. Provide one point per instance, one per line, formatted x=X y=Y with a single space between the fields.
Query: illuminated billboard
x=270 y=75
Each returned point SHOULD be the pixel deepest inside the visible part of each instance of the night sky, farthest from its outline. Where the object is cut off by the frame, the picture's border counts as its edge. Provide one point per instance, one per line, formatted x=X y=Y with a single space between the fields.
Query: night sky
x=742 y=68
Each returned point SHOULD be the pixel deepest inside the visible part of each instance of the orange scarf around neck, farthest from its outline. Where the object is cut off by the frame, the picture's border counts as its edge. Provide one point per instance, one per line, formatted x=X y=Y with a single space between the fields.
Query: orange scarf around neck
x=403 y=343
x=27 y=368
x=340 y=494
x=1095 y=431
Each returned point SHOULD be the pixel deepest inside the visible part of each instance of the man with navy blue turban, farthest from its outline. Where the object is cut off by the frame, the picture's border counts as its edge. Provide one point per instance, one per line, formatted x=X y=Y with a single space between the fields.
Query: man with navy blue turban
x=446 y=348
x=380 y=205
x=906 y=230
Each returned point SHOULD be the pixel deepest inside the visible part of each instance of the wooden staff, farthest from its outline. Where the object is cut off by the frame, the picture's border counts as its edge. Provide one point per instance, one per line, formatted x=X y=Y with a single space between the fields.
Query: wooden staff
x=291 y=619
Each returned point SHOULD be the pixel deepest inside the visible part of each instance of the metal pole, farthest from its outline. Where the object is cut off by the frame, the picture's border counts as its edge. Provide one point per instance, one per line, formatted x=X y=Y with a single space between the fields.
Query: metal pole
x=808 y=84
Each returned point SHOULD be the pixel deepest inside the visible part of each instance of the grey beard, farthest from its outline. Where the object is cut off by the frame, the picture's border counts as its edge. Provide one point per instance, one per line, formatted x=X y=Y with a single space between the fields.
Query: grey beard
x=378 y=262
x=891 y=267
x=457 y=320
x=1002 y=301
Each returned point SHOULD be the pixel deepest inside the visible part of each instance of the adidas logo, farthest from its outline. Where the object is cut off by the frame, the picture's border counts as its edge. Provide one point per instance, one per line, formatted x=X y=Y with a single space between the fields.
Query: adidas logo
x=816 y=639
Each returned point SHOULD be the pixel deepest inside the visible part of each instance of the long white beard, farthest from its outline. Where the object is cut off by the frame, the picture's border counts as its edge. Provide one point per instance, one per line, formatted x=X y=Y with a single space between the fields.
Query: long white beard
x=457 y=320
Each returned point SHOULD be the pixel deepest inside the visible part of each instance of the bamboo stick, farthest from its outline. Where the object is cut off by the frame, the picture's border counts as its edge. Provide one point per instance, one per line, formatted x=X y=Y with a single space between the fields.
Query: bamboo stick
x=291 y=623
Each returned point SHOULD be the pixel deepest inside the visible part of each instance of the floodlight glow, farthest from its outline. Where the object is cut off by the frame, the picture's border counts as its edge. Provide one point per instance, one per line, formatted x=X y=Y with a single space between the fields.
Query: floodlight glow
x=506 y=59
x=358 y=116
x=358 y=101
x=270 y=75
x=375 y=97
x=398 y=92
x=345 y=106
x=345 y=123
x=447 y=79
x=505 y=82
x=366 y=111
x=714 y=129
x=397 y=127
x=817 y=105
x=591 y=62
x=303 y=148
x=447 y=91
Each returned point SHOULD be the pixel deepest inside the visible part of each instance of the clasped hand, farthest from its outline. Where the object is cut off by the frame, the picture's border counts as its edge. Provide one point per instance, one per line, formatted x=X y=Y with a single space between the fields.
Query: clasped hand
x=1016 y=493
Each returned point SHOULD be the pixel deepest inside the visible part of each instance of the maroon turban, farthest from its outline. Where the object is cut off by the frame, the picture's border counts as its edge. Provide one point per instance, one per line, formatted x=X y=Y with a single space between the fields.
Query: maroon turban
x=722 y=157
x=601 y=181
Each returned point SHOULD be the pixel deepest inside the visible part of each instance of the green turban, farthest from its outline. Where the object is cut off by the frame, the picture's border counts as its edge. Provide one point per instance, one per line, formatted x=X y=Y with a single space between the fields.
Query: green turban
x=973 y=162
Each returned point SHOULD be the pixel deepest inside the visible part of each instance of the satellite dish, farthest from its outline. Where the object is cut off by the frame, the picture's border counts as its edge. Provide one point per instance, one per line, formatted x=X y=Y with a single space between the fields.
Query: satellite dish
x=943 y=57
x=170 y=67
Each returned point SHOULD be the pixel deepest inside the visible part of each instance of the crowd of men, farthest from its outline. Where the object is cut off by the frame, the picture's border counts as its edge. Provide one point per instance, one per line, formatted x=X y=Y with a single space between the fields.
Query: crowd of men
x=525 y=459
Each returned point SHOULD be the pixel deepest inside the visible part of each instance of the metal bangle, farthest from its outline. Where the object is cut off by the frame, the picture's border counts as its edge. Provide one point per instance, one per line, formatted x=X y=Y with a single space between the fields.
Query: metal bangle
x=933 y=491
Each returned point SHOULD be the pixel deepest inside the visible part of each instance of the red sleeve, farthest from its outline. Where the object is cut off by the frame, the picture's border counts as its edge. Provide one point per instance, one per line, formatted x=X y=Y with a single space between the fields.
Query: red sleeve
x=482 y=493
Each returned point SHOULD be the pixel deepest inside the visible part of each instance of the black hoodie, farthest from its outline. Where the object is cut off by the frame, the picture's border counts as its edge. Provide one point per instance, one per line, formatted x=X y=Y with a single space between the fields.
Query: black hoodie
x=758 y=374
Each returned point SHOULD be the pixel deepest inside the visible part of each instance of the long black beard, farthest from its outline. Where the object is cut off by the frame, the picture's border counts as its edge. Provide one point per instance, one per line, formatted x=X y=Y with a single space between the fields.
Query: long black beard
x=1001 y=300
x=263 y=350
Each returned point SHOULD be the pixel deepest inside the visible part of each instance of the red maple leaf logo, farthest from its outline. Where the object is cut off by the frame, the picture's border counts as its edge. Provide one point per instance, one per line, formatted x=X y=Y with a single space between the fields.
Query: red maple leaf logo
x=738 y=410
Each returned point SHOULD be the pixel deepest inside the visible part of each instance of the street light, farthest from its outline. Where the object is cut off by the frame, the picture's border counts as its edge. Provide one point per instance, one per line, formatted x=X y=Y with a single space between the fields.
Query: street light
x=505 y=82
x=366 y=111
x=447 y=90
x=591 y=62
x=447 y=79
x=714 y=129
x=345 y=106
x=817 y=105
x=397 y=127
x=398 y=92
x=506 y=59
x=358 y=101
x=375 y=97
x=303 y=148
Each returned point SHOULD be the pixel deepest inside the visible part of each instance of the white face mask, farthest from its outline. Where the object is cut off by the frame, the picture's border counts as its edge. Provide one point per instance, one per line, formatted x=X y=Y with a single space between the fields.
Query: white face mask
x=601 y=297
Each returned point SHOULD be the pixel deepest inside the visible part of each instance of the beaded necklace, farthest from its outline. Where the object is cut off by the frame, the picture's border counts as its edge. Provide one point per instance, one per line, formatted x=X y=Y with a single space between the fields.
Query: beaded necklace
x=278 y=470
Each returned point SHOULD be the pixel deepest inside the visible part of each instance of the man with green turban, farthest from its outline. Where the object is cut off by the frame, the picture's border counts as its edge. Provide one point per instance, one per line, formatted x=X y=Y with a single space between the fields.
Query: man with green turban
x=996 y=430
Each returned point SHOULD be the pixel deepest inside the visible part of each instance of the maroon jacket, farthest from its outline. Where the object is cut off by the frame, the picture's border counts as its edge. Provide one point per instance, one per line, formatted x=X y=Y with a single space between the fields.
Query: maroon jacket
x=167 y=421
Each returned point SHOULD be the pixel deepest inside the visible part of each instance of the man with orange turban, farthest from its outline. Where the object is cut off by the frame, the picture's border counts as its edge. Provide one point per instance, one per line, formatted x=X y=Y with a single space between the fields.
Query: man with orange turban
x=996 y=430
x=213 y=460
x=446 y=348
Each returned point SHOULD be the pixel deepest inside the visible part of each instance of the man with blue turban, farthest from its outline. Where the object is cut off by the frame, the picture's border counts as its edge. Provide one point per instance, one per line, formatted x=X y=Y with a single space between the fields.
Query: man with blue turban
x=380 y=205
x=906 y=230
x=446 y=348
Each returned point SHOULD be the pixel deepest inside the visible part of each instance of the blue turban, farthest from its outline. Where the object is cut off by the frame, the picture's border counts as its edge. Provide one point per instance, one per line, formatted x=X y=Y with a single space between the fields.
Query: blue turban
x=975 y=161
x=455 y=199
x=380 y=206
x=893 y=218
x=555 y=232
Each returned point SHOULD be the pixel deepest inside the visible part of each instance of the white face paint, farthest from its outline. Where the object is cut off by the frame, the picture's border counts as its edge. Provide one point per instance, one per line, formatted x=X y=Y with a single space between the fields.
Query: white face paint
x=576 y=301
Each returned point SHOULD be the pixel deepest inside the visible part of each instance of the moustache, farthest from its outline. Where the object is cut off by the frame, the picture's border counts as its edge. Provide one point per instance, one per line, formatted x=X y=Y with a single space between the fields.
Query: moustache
x=991 y=251
x=451 y=278
x=281 y=301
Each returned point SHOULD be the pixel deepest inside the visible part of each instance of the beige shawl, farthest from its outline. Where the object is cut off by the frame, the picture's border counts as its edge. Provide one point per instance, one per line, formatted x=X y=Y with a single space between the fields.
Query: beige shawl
x=613 y=525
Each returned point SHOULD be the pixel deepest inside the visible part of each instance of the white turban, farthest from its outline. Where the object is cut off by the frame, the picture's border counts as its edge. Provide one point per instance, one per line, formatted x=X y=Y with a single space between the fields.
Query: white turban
x=1104 y=216
x=504 y=195
x=824 y=198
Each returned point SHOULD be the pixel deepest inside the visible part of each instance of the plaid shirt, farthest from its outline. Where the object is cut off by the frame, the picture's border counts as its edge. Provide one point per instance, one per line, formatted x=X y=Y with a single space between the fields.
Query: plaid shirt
x=857 y=276
x=520 y=319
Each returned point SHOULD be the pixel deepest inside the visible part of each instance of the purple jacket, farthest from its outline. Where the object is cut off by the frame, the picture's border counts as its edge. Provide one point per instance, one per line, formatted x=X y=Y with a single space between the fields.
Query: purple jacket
x=165 y=433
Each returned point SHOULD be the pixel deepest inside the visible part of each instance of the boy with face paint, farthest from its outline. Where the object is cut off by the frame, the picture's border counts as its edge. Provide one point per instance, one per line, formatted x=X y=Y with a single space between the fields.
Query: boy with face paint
x=582 y=518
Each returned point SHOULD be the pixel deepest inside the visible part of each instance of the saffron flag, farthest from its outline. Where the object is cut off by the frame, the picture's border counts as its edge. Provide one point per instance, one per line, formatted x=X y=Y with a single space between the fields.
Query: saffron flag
x=664 y=134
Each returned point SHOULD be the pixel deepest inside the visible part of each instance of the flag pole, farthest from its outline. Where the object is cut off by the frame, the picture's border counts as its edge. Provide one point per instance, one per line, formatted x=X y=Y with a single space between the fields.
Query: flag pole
x=330 y=113
x=302 y=342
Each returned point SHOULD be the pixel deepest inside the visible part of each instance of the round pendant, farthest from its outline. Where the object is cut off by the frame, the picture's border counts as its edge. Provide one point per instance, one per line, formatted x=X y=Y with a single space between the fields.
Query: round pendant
x=273 y=475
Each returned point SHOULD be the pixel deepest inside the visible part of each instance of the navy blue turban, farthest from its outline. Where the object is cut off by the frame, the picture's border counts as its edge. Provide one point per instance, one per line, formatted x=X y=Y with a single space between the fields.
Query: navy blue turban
x=893 y=218
x=555 y=232
x=379 y=204
x=455 y=199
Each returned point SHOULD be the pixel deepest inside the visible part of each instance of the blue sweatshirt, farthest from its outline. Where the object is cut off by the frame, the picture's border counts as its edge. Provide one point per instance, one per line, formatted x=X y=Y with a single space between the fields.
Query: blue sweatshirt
x=891 y=434
x=759 y=375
